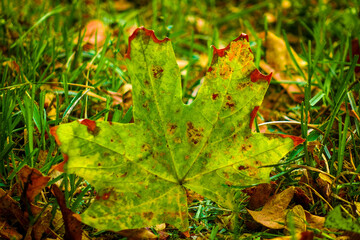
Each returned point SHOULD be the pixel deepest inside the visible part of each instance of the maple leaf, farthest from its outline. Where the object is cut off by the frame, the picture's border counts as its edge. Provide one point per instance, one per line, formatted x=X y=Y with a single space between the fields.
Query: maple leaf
x=140 y=170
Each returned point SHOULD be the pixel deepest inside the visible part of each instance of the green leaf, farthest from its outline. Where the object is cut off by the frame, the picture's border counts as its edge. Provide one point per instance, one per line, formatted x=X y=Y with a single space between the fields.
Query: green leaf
x=335 y=220
x=141 y=170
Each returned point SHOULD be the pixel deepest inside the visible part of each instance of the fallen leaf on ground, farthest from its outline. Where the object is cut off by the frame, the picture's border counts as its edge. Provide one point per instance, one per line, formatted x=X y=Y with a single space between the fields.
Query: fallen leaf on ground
x=9 y=232
x=278 y=60
x=259 y=195
x=95 y=33
x=296 y=217
x=134 y=234
x=273 y=214
x=73 y=227
x=141 y=169
x=122 y=5
x=315 y=221
x=298 y=236
x=32 y=181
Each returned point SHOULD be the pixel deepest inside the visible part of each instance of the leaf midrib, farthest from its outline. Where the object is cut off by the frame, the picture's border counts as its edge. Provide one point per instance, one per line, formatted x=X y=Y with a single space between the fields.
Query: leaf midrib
x=158 y=110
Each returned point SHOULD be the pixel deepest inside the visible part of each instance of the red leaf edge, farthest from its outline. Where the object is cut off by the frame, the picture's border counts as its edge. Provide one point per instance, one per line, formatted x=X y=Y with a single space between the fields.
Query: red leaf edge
x=253 y=115
x=222 y=51
x=149 y=33
x=256 y=75
x=91 y=125
x=297 y=140
x=53 y=133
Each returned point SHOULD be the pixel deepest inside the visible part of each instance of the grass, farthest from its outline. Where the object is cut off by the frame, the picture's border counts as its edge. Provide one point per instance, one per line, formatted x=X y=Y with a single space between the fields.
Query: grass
x=48 y=78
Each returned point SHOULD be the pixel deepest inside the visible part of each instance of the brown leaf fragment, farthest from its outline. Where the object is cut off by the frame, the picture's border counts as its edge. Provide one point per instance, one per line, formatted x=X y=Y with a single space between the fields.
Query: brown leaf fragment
x=259 y=195
x=298 y=236
x=95 y=32
x=273 y=213
x=9 y=209
x=297 y=217
x=43 y=223
x=315 y=221
x=278 y=60
x=301 y=197
x=73 y=227
x=122 y=5
x=137 y=234
x=32 y=181
x=8 y=232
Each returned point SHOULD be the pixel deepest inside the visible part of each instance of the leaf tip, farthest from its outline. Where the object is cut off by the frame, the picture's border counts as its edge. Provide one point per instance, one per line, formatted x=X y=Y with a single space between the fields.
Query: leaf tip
x=60 y=166
x=147 y=32
x=256 y=75
x=297 y=140
x=221 y=51
x=186 y=234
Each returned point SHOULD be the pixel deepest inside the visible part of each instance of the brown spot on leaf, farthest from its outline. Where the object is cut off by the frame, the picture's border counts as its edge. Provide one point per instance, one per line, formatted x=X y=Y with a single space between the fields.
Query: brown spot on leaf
x=99 y=164
x=245 y=147
x=194 y=134
x=124 y=175
x=230 y=104
x=171 y=128
x=215 y=96
x=145 y=147
x=225 y=71
x=243 y=85
x=106 y=196
x=177 y=140
x=157 y=71
x=148 y=215
x=243 y=167
x=146 y=82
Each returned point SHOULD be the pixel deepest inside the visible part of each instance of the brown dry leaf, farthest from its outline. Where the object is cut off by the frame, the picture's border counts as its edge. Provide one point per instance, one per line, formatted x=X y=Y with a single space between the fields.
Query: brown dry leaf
x=122 y=5
x=274 y=212
x=12 y=65
x=43 y=223
x=298 y=236
x=315 y=221
x=123 y=96
x=278 y=60
x=73 y=227
x=259 y=195
x=9 y=232
x=32 y=181
x=137 y=234
x=297 y=216
x=301 y=197
x=324 y=183
x=10 y=209
x=95 y=30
